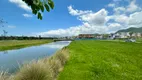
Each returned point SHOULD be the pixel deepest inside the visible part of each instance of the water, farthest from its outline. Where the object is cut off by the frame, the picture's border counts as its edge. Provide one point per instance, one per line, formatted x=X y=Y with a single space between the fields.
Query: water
x=10 y=60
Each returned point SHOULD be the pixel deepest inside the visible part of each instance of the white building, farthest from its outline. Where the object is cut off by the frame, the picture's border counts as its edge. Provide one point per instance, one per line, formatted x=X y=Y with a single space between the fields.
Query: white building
x=127 y=35
x=124 y=35
x=139 y=35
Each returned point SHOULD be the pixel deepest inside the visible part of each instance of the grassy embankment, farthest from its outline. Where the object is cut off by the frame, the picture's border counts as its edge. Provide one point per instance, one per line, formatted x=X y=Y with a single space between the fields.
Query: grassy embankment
x=103 y=60
x=16 y=44
x=44 y=69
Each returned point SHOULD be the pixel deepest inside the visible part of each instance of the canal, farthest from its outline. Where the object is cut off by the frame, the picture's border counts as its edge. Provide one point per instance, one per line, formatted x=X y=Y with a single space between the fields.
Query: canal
x=10 y=60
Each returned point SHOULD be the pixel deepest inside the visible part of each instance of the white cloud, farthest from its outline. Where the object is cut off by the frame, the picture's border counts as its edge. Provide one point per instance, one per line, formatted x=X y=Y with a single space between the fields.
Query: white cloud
x=100 y=21
x=132 y=20
x=122 y=18
x=21 y=4
x=11 y=26
x=113 y=26
x=77 y=12
x=119 y=10
x=135 y=19
x=98 y=18
x=111 y=5
x=91 y=23
x=132 y=7
x=27 y=15
x=123 y=14
x=85 y=28
x=117 y=0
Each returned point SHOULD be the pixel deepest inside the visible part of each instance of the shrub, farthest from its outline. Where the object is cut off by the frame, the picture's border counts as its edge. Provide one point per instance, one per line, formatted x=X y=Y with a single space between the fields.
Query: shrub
x=34 y=71
x=55 y=65
x=62 y=56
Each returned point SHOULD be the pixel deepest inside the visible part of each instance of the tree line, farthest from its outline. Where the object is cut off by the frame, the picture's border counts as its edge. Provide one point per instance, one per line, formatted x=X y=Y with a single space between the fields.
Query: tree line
x=24 y=38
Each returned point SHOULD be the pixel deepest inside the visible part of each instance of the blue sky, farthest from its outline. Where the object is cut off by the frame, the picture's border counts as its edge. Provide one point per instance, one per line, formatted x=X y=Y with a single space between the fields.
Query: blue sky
x=72 y=17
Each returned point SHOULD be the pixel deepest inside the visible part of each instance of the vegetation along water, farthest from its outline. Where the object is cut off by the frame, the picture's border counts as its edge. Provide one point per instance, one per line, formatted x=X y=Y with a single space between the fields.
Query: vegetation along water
x=16 y=44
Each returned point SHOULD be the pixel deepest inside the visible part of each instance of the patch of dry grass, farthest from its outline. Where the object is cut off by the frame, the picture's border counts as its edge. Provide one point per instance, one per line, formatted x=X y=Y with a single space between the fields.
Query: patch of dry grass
x=4 y=76
x=34 y=71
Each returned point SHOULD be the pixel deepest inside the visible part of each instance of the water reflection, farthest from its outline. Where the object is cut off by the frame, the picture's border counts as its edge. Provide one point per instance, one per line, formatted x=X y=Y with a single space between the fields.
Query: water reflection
x=10 y=59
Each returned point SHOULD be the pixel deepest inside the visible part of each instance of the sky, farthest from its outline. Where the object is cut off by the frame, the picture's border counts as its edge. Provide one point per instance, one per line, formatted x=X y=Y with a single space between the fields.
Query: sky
x=71 y=17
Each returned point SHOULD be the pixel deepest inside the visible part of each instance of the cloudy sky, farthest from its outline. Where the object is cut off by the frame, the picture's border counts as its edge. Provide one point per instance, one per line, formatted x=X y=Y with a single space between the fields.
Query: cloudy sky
x=72 y=17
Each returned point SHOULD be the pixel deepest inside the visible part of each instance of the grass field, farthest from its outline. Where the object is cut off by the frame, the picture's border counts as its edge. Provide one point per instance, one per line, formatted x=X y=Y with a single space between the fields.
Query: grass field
x=15 y=44
x=103 y=60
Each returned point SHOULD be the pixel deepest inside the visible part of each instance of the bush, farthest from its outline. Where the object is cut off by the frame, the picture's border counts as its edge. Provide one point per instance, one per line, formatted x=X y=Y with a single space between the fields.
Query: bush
x=34 y=71
x=57 y=61
x=62 y=56
x=55 y=65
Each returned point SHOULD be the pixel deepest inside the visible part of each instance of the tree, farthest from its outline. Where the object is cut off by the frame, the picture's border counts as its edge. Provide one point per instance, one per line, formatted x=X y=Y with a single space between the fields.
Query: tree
x=39 y=6
x=105 y=35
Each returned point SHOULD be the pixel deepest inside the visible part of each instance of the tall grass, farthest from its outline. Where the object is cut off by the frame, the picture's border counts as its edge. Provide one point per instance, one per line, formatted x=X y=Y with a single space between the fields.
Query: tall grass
x=3 y=75
x=58 y=61
x=44 y=69
x=34 y=71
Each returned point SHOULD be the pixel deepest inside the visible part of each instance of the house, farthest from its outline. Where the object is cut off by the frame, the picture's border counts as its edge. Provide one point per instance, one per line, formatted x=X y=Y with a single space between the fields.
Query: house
x=119 y=35
x=124 y=35
x=139 y=35
x=96 y=36
x=99 y=37
x=134 y=35
x=113 y=36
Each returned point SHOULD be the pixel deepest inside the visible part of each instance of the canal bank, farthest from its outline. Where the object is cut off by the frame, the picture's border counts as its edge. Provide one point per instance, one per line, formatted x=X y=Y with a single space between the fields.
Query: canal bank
x=43 y=69
x=18 y=44
x=11 y=59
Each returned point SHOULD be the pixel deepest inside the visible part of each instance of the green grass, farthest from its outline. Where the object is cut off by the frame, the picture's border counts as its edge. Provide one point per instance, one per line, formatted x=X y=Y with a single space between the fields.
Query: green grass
x=16 y=44
x=103 y=60
x=139 y=40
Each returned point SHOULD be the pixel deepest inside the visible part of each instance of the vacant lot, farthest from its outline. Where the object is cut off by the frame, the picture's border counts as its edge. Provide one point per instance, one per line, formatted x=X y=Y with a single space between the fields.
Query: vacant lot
x=103 y=60
x=14 y=44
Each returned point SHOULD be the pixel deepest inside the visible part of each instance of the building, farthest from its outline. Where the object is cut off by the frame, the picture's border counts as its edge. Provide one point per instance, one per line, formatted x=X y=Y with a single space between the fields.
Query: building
x=126 y=35
x=112 y=36
x=139 y=35
x=120 y=35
